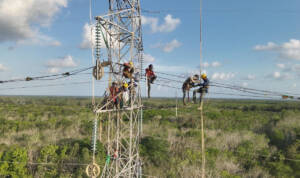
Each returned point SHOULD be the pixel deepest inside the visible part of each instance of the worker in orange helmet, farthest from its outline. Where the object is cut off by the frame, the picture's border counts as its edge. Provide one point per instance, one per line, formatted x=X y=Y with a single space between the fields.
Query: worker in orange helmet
x=114 y=97
x=150 y=77
x=203 y=88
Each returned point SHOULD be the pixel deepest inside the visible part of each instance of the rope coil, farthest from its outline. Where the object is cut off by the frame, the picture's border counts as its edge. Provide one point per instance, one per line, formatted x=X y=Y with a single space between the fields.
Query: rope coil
x=98 y=71
x=93 y=170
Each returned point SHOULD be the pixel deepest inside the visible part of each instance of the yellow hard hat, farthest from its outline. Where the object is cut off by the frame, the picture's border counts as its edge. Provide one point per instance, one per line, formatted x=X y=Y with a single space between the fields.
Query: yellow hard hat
x=125 y=85
x=203 y=76
x=131 y=63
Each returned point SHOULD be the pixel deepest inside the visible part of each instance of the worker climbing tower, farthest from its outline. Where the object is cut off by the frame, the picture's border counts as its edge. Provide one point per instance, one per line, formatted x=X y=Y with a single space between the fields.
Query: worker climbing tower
x=118 y=40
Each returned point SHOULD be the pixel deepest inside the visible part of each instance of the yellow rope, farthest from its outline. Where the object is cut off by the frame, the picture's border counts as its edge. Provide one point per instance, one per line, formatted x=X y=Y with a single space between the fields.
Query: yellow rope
x=202 y=137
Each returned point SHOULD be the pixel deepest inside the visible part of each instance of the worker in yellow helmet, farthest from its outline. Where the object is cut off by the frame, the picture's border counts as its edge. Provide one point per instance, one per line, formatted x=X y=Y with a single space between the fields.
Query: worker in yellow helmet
x=124 y=96
x=203 y=87
x=128 y=70
x=125 y=85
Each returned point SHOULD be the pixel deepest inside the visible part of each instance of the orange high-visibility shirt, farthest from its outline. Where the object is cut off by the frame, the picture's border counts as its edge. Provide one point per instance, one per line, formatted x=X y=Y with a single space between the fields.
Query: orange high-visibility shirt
x=149 y=73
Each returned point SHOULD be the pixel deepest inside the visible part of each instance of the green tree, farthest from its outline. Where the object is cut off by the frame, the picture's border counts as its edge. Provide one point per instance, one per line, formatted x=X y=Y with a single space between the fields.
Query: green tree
x=155 y=150
x=48 y=156
x=15 y=162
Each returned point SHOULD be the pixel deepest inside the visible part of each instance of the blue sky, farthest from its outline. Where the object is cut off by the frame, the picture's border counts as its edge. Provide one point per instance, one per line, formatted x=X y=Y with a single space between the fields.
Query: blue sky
x=248 y=43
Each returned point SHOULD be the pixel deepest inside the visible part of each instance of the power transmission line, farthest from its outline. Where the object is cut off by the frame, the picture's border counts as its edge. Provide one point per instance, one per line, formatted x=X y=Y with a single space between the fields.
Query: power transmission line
x=257 y=93
x=248 y=10
x=44 y=163
x=47 y=85
x=48 y=77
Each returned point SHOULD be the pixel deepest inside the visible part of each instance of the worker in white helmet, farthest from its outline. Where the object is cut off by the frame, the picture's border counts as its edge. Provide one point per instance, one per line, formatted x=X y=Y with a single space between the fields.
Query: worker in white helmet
x=188 y=84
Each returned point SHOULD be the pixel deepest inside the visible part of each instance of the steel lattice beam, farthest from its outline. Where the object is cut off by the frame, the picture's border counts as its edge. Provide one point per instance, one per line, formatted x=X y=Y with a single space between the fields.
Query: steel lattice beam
x=121 y=129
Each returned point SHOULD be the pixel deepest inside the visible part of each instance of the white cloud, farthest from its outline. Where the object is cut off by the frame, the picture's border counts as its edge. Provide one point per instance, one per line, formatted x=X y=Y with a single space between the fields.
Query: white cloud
x=21 y=20
x=292 y=44
x=268 y=46
x=245 y=84
x=213 y=64
x=206 y=64
x=291 y=54
x=152 y=21
x=55 y=65
x=169 y=25
x=289 y=67
x=40 y=39
x=279 y=76
x=55 y=43
x=53 y=70
x=169 y=47
x=287 y=50
x=251 y=77
x=276 y=75
x=291 y=49
x=148 y=58
x=2 y=68
x=170 y=68
x=294 y=85
x=66 y=61
x=216 y=64
x=87 y=38
x=192 y=72
x=183 y=71
x=223 y=76
x=281 y=66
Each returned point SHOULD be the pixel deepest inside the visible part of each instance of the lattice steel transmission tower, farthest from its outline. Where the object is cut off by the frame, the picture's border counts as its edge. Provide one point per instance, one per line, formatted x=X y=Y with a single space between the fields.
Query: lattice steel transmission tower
x=119 y=40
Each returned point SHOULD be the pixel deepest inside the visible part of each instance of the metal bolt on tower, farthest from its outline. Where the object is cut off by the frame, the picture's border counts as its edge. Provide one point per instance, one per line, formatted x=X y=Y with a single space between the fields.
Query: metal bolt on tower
x=120 y=127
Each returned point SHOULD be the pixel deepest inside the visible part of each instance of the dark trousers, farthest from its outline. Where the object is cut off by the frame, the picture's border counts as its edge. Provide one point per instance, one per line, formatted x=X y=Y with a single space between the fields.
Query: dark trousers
x=150 y=80
x=201 y=90
x=185 y=91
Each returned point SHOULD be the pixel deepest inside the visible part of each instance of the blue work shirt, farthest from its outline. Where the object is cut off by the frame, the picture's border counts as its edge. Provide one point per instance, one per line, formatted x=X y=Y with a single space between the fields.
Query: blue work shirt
x=205 y=83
